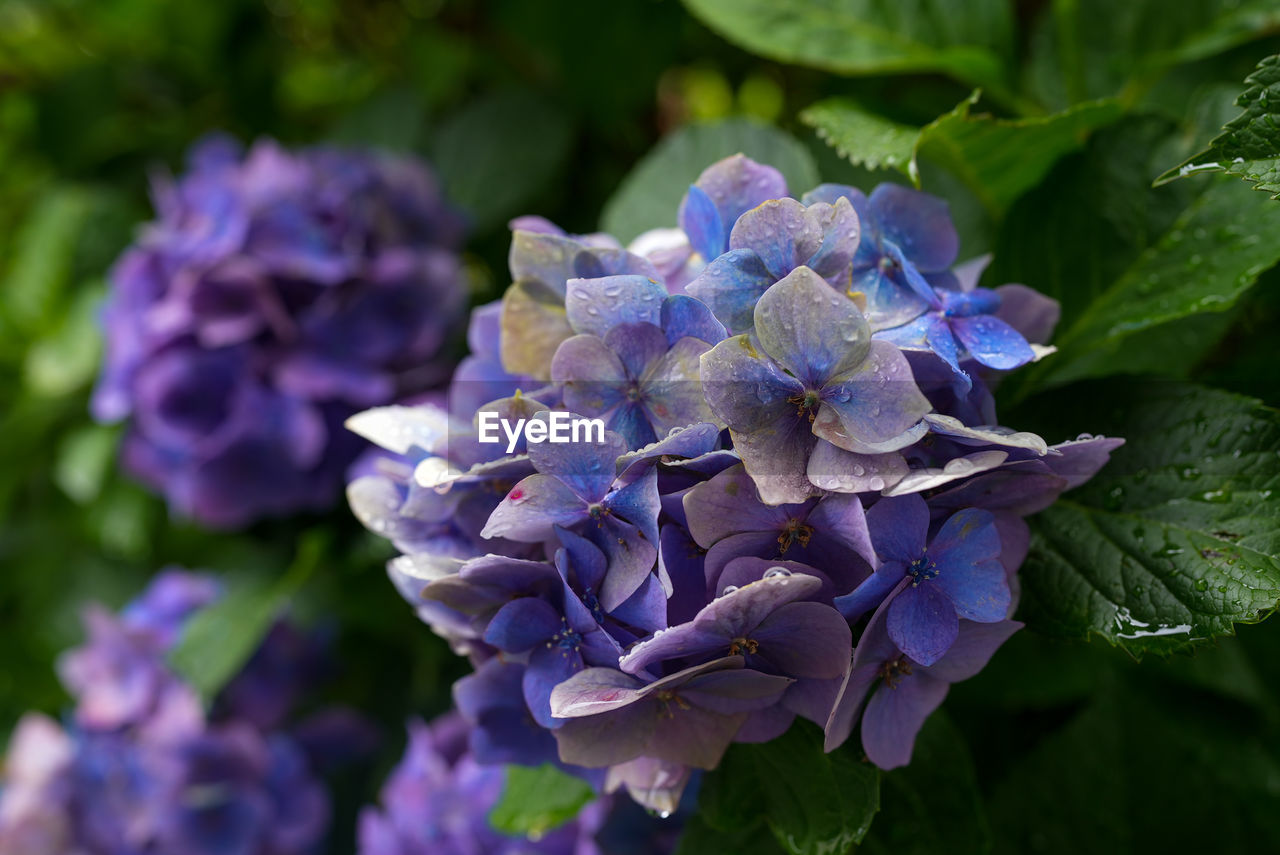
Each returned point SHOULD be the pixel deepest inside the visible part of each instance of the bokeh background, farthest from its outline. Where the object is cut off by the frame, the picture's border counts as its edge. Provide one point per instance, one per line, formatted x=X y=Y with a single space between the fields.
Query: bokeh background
x=526 y=107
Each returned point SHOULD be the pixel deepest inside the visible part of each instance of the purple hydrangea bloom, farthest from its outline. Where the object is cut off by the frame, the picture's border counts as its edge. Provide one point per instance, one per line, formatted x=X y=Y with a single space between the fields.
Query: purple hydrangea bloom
x=908 y=239
x=633 y=606
x=142 y=768
x=809 y=370
x=687 y=718
x=905 y=691
x=929 y=588
x=578 y=485
x=771 y=241
x=275 y=295
x=437 y=802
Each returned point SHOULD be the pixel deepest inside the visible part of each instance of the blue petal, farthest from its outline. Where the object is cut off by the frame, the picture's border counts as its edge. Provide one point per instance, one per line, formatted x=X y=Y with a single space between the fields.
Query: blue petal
x=917 y=222
x=979 y=592
x=522 y=624
x=992 y=342
x=638 y=504
x=581 y=563
x=708 y=233
x=899 y=527
x=597 y=305
x=685 y=317
x=872 y=591
x=923 y=623
x=548 y=667
x=811 y=330
x=585 y=467
x=730 y=286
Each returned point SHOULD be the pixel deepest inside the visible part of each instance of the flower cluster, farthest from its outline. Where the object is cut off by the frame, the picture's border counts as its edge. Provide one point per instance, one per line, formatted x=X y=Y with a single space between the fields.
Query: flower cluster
x=803 y=506
x=437 y=802
x=275 y=295
x=140 y=768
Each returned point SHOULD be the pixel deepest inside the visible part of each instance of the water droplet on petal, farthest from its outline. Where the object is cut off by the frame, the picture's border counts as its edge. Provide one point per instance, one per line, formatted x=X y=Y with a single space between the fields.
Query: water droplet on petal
x=775 y=573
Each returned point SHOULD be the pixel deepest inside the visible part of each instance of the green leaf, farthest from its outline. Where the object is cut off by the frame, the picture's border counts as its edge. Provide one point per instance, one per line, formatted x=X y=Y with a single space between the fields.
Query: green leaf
x=650 y=195
x=500 y=152
x=1087 y=49
x=864 y=138
x=1214 y=252
x=933 y=804
x=65 y=359
x=41 y=267
x=813 y=802
x=534 y=801
x=1249 y=146
x=698 y=837
x=219 y=640
x=1178 y=537
x=997 y=159
x=84 y=461
x=1142 y=771
x=970 y=42
x=393 y=120
x=1136 y=268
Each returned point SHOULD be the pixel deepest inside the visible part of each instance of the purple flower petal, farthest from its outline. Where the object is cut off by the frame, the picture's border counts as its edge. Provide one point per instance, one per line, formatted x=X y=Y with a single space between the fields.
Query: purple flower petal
x=974 y=646
x=596 y=306
x=918 y=223
x=992 y=342
x=922 y=622
x=833 y=468
x=730 y=286
x=804 y=640
x=533 y=508
x=894 y=716
x=811 y=330
x=899 y=528
x=522 y=624
x=1029 y=312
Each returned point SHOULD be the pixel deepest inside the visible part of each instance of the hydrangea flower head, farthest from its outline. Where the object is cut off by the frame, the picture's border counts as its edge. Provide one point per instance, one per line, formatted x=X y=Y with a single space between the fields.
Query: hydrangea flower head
x=438 y=798
x=800 y=508
x=276 y=294
x=142 y=768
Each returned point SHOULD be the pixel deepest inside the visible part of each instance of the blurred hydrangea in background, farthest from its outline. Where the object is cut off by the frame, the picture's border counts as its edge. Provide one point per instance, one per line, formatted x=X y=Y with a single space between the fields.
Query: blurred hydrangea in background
x=139 y=767
x=275 y=294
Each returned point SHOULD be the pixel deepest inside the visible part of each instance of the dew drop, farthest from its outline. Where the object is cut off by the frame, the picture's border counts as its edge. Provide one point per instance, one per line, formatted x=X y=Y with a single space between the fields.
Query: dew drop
x=728 y=589
x=774 y=573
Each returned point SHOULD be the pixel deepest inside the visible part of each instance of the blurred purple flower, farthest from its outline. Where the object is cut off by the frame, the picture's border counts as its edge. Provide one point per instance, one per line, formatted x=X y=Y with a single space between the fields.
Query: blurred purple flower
x=275 y=295
x=437 y=802
x=143 y=769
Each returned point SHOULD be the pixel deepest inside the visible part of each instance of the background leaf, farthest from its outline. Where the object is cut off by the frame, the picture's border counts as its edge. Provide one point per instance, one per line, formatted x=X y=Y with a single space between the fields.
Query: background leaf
x=972 y=42
x=650 y=195
x=1176 y=539
x=997 y=159
x=1076 y=58
x=1249 y=145
x=535 y=801
x=933 y=804
x=217 y=641
x=499 y=152
x=813 y=802
x=1211 y=254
